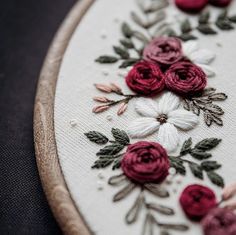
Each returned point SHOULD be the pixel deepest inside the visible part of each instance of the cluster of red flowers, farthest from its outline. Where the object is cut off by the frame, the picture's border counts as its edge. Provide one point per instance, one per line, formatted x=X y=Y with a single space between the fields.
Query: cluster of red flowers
x=194 y=6
x=165 y=66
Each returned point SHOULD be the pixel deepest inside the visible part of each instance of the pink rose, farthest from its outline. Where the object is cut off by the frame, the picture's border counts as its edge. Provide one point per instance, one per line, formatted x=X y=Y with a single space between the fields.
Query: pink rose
x=145 y=162
x=145 y=78
x=219 y=221
x=164 y=51
x=185 y=78
x=197 y=201
x=192 y=6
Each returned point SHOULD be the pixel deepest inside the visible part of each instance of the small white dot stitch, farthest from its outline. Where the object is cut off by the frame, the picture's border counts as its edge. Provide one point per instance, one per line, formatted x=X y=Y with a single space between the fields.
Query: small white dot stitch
x=103 y=34
x=109 y=118
x=172 y=171
x=73 y=123
x=100 y=175
x=105 y=72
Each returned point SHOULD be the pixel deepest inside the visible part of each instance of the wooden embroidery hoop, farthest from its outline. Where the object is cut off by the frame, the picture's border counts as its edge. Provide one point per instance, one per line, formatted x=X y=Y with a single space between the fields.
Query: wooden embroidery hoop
x=54 y=185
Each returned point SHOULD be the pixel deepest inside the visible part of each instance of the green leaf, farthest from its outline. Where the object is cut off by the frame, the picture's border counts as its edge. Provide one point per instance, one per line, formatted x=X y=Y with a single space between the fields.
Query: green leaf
x=232 y=18
x=128 y=63
x=96 y=137
x=170 y=32
x=116 y=164
x=124 y=54
x=215 y=178
x=223 y=15
x=218 y=97
x=178 y=165
x=102 y=163
x=111 y=149
x=106 y=59
x=186 y=37
x=120 y=136
x=186 y=26
x=141 y=37
x=206 y=29
x=207 y=144
x=204 y=17
x=200 y=155
x=127 y=43
x=186 y=147
x=210 y=165
x=224 y=25
x=196 y=170
x=126 y=30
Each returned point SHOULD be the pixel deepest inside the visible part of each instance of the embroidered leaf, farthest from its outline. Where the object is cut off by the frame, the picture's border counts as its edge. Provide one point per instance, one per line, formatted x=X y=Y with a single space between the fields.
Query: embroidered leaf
x=156 y=6
x=212 y=118
x=214 y=109
x=124 y=192
x=157 y=190
x=148 y=225
x=141 y=37
x=128 y=63
x=138 y=20
x=215 y=178
x=102 y=163
x=178 y=227
x=186 y=26
x=206 y=29
x=186 y=147
x=116 y=164
x=207 y=144
x=210 y=165
x=133 y=213
x=196 y=170
x=223 y=15
x=121 y=52
x=126 y=30
x=158 y=18
x=178 y=164
x=218 y=97
x=120 y=136
x=204 y=17
x=111 y=149
x=200 y=155
x=117 y=180
x=106 y=59
x=161 y=209
x=97 y=137
x=186 y=37
x=224 y=24
x=232 y=18
x=127 y=43
x=170 y=32
x=208 y=91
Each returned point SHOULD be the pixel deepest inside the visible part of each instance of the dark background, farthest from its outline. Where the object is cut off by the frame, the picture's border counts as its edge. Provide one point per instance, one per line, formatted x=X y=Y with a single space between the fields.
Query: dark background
x=27 y=28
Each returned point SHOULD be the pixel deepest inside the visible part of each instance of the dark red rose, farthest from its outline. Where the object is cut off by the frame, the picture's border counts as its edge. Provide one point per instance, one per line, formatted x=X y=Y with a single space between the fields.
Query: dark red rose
x=191 y=6
x=185 y=78
x=197 y=201
x=220 y=3
x=219 y=221
x=146 y=79
x=163 y=50
x=145 y=162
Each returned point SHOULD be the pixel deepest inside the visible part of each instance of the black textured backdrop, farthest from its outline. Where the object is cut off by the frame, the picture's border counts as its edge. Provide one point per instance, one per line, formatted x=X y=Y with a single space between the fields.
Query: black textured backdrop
x=26 y=29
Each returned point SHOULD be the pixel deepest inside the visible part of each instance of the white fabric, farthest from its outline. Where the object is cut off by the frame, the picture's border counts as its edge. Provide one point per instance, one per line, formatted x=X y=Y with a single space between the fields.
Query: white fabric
x=74 y=102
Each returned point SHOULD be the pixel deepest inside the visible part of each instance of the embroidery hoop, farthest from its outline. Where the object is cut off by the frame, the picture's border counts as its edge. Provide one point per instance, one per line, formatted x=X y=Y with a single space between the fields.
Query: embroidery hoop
x=66 y=213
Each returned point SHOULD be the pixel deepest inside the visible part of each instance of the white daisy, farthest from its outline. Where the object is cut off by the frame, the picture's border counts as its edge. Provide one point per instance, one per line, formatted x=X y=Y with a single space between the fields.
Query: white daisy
x=200 y=57
x=163 y=116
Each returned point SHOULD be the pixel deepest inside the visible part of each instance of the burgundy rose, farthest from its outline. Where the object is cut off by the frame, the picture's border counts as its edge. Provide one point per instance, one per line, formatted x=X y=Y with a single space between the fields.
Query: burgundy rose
x=185 y=78
x=197 y=201
x=219 y=221
x=145 y=162
x=192 y=6
x=146 y=79
x=163 y=50
x=220 y=3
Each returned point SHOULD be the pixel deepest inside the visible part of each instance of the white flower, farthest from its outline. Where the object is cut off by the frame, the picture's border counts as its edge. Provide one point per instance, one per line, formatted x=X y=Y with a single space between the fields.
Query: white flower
x=200 y=57
x=163 y=116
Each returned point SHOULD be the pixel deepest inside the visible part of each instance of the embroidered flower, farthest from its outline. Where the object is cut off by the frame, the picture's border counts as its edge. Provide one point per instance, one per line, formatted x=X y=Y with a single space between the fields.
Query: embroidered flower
x=185 y=78
x=146 y=79
x=219 y=221
x=193 y=6
x=163 y=116
x=197 y=201
x=145 y=162
x=163 y=50
x=220 y=3
x=200 y=57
